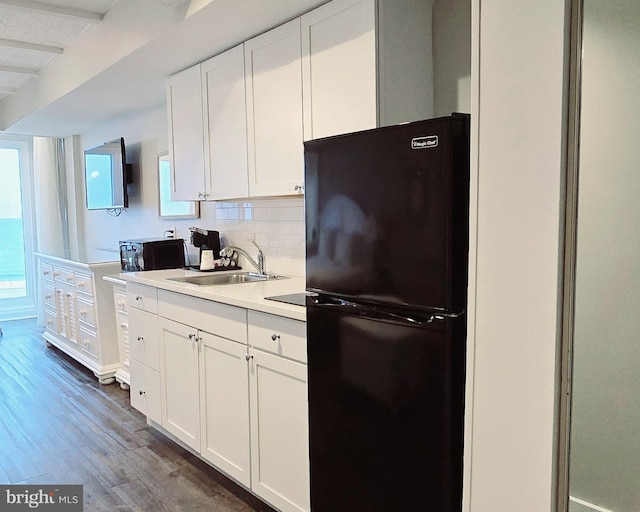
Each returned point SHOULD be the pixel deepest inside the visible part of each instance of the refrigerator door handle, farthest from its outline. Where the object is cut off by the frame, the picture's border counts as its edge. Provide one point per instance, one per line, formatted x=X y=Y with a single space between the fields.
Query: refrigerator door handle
x=374 y=312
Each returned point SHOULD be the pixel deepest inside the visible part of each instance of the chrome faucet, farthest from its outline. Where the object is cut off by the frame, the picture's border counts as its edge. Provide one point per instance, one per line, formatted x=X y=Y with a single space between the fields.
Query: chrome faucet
x=259 y=265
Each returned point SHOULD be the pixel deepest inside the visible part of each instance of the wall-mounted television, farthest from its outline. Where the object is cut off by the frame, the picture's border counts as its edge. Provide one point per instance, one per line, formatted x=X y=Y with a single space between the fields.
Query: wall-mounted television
x=106 y=175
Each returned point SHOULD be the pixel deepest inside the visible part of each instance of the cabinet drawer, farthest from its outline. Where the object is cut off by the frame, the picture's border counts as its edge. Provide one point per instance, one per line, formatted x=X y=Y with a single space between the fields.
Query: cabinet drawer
x=278 y=335
x=50 y=320
x=86 y=312
x=143 y=338
x=49 y=295
x=89 y=343
x=120 y=300
x=142 y=297
x=46 y=271
x=84 y=283
x=63 y=275
x=220 y=319
x=145 y=390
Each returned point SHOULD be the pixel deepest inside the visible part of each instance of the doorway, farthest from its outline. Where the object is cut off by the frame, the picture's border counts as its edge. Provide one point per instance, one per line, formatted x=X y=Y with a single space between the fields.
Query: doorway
x=17 y=277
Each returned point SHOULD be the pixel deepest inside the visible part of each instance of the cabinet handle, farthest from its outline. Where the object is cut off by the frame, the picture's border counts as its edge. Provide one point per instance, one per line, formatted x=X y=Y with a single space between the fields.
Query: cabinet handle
x=47 y=296
x=138 y=297
x=140 y=339
x=68 y=279
x=298 y=188
x=275 y=336
x=83 y=312
x=55 y=274
x=49 y=322
x=85 y=343
x=68 y=294
x=123 y=326
x=46 y=272
x=142 y=392
x=200 y=194
x=81 y=284
x=248 y=357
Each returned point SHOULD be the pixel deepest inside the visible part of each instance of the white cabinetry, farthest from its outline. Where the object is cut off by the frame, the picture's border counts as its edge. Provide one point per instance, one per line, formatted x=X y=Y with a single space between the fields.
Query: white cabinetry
x=186 y=135
x=279 y=411
x=225 y=128
x=339 y=68
x=144 y=350
x=360 y=71
x=79 y=313
x=179 y=382
x=122 y=329
x=274 y=111
x=233 y=385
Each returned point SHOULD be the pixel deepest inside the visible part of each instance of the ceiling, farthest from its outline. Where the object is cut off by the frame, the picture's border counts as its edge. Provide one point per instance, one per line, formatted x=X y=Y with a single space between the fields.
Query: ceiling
x=49 y=87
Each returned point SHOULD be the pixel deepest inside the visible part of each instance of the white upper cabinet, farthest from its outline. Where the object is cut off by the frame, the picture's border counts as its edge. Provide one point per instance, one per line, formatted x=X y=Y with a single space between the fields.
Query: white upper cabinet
x=274 y=111
x=186 y=135
x=339 y=68
x=225 y=130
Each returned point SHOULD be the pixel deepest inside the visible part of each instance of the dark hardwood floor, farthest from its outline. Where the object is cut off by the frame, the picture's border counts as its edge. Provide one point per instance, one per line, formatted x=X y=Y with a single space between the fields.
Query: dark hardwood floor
x=59 y=426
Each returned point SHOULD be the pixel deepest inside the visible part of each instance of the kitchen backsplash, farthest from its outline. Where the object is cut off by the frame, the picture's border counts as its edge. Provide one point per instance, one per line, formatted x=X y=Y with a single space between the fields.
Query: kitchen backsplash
x=277 y=224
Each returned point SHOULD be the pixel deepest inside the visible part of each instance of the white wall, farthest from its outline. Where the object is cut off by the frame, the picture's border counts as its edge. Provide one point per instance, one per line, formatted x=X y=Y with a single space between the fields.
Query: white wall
x=605 y=453
x=513 y=338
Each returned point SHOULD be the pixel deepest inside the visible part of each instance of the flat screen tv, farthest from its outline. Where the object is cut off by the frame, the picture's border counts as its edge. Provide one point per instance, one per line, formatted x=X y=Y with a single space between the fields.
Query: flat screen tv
x=106 y=175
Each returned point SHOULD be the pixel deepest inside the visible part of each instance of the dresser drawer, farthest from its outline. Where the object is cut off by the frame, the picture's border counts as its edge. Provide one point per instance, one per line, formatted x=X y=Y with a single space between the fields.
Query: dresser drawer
x=63 y=275
x=49 y=294
x=142 y=297
x=46 y=271
x=50 y=321
x=278 y=335
x=89 y=343
x=86 y=311
x=143 y=338
x=120 y=300
x=84 y=283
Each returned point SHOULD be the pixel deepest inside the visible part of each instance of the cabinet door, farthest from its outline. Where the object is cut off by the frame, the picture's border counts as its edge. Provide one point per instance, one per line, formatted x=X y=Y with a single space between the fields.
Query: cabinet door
x=179 y=381
x=186 y=135
x=224 y=406
x=339 y=68
x=274 y=111
x=279 y=431
x=226 y=125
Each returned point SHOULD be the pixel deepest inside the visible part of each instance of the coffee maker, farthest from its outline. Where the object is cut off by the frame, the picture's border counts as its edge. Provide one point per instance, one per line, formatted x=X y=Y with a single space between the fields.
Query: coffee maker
x=209 y=243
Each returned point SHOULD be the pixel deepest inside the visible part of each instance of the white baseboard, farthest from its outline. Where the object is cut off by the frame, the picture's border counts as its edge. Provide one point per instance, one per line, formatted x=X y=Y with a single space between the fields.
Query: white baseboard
x=578 y=505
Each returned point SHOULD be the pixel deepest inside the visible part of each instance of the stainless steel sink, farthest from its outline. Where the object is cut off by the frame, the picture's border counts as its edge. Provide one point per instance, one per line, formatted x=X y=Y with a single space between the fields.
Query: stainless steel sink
x=215 y=279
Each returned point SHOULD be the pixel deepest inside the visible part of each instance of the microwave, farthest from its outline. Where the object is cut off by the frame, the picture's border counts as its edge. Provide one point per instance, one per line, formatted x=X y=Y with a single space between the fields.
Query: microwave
x=151 y=254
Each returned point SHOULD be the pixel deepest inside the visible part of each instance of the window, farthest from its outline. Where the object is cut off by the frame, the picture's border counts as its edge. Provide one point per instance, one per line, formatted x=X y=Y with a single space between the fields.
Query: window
x=17 y=278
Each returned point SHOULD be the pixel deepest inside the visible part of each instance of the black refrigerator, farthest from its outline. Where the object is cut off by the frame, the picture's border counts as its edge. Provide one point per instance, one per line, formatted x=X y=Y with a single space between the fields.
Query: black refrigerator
x=387 y=229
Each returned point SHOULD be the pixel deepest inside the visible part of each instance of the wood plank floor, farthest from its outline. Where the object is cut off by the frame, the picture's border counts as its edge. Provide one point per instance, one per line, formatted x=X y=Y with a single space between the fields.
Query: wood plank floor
x=59 y=426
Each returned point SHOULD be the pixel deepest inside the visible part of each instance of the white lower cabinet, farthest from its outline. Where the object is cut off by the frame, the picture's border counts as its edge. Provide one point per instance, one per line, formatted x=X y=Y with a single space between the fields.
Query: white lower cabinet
x=279 y=431
x=236 y=396
x=179 y=348
x=224 y=406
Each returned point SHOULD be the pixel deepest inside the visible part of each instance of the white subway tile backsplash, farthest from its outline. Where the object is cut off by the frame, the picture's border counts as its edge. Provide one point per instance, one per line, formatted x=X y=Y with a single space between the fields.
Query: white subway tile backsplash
x=276 y=224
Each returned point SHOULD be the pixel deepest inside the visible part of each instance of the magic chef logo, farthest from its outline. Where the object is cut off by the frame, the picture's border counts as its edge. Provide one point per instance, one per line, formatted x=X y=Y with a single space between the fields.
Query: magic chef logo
x=430 y=141
x=66 y=498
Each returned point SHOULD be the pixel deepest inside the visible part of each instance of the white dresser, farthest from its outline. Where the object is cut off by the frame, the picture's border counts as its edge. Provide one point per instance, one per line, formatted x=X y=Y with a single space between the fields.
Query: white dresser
x=78 y=311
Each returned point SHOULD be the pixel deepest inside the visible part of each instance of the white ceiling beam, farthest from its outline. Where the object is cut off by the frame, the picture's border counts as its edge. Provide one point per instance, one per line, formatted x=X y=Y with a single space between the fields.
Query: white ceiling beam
x=7 y=90
x=55 y=10
x=23 y=45
x=19 y=71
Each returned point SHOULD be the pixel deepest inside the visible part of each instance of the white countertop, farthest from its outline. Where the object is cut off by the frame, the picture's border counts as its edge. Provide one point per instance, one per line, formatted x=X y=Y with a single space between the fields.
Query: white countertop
x=245 y=295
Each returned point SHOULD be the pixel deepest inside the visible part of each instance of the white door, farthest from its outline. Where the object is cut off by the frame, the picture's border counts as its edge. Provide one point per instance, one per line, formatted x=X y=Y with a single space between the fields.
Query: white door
x=179 y=381
x=274 y=111
x=339 y=68
x=226 y=125
x=186 y=135
x=224 y=406
x=279 y=431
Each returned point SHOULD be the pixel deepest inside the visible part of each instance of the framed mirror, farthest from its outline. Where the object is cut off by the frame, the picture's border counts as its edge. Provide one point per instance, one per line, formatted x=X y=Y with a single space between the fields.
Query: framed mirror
x=168 y=209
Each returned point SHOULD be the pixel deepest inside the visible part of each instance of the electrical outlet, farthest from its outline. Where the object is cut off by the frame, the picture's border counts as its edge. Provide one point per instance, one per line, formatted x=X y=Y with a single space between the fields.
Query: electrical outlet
x=170 y=233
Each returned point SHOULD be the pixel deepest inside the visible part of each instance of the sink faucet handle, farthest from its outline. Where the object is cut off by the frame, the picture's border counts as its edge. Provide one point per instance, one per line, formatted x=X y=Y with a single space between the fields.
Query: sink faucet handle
x=261 y=258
